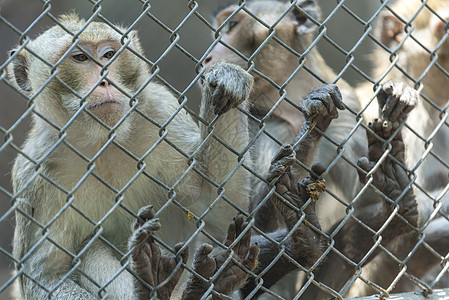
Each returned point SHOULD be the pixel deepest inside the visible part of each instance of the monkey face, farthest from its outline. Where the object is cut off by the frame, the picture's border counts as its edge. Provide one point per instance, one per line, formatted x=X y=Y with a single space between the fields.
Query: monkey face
x=90 y=81
x=92 y=70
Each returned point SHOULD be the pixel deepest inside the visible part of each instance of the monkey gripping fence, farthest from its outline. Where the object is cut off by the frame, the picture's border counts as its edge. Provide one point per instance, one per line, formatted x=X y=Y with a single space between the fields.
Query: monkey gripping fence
x=397 y=267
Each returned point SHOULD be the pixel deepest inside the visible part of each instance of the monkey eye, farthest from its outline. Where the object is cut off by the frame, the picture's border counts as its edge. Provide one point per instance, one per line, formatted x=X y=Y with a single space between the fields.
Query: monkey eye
x=230 y=25
x=109 y=54
x=80 y=57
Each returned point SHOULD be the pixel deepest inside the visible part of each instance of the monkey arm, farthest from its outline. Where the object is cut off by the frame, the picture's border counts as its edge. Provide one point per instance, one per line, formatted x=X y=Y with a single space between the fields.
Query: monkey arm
x=225 y=87
x=305 y=243
x=396 y=197
x=320 y=107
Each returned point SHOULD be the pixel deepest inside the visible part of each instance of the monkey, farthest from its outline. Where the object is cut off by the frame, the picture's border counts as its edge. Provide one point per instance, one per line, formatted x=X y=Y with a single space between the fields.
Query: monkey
x=416 y=53
x=304 y=245
x=274 y=39
x=106 y=140
x=385 y=221
x=320 y=107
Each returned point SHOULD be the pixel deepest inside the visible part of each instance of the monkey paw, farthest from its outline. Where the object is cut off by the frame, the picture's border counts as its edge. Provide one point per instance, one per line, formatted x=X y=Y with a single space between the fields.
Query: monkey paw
x=391 y=177
x=147 y=260
x=322 y=104
x=281 y=162
x=290 y=190
x=396 y=100
x=207 y=262
x=228 y=86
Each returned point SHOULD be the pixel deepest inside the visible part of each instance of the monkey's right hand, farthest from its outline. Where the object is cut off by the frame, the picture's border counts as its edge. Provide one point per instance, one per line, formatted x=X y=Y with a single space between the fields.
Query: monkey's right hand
x=208 y=261
x=227 y=86
x=148 y=262
x=396 y=100
x=390 y=177
x=321 y=105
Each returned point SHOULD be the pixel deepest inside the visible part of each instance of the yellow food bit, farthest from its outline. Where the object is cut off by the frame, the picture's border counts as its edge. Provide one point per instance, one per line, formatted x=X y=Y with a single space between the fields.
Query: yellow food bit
x=312 y=125
x=189 y=215
x=314 y=190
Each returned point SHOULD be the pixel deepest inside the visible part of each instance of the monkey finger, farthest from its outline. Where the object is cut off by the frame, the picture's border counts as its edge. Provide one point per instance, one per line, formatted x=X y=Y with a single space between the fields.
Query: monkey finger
x=239 y=220
x=318 y=169
x=139 y=237
x=145 y=213
x=284 y=151
x=364 y=164
x=222 y=105
x=253 y=254
x=230 y=237
x=185 y=253
x=151 y=225
x=203 y=252
x=244 y=242
x=337 y=97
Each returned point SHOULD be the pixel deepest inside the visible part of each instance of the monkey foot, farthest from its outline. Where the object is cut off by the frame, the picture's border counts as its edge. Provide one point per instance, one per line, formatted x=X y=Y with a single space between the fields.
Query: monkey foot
x=207 y=262
x=147 y=260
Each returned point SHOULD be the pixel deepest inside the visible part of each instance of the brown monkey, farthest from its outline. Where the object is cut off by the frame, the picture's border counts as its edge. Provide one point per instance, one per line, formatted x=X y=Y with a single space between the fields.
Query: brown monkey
x=275 y=37
x=105 y=141
x=357 y=234
x=420 y=60
x=304 y=244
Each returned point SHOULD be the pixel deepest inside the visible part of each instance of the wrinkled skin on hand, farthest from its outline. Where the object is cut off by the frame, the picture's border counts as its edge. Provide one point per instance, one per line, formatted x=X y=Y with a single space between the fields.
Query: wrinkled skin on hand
x=321 y=105
x=147 y=260
x=225 y=95
x=396 y=100
x=390 y=178
x=208 y=261
x=305 y=240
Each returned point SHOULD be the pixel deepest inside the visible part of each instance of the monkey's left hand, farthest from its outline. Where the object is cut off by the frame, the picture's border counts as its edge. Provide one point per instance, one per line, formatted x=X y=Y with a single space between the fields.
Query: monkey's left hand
x=321 y=105
x=228 y=85
x=232 y=277
x=148 y=262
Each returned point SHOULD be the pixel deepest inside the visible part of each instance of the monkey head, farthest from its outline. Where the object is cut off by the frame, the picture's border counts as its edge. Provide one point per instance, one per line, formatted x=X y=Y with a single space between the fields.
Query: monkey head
x=416 y=34
x=266 y=33
x=84 y=72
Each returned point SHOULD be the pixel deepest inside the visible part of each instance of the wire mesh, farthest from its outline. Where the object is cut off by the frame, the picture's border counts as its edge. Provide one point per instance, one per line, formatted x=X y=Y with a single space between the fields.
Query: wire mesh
x=84 y=169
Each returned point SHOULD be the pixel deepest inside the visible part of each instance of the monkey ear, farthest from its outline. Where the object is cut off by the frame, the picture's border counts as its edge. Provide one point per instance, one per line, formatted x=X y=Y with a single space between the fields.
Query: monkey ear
x=19 y=69
x=302 y=18
x=392 y=30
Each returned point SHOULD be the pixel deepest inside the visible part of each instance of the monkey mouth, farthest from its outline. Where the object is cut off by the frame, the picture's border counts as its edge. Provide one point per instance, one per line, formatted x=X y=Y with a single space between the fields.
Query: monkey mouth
x=96 y=105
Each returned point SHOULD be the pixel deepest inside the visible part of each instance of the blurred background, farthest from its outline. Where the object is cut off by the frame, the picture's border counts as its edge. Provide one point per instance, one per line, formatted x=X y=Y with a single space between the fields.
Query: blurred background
x=176 y=67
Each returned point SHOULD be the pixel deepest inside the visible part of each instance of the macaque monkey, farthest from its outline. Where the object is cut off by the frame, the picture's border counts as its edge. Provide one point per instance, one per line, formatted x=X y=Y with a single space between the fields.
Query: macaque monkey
x=420 y=60
x=105 y=141
x=396 y=212
x=305 y=244
x=283 y=77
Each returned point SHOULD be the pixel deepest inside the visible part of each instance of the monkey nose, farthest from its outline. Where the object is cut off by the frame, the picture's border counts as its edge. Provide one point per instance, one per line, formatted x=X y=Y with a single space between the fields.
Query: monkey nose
x=104 y=83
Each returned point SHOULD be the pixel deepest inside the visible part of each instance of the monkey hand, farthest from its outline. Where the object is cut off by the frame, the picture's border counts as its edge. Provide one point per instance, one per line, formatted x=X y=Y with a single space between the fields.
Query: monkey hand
x=294 y=194
x=147 y=261
x=227 y=86
x=207 y=263
x=321 y=106
x=390 y=177
x=396 y=100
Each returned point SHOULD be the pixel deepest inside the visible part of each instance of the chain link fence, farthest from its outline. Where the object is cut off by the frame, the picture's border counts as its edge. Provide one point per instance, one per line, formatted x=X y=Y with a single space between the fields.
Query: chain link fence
x=364 y=246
